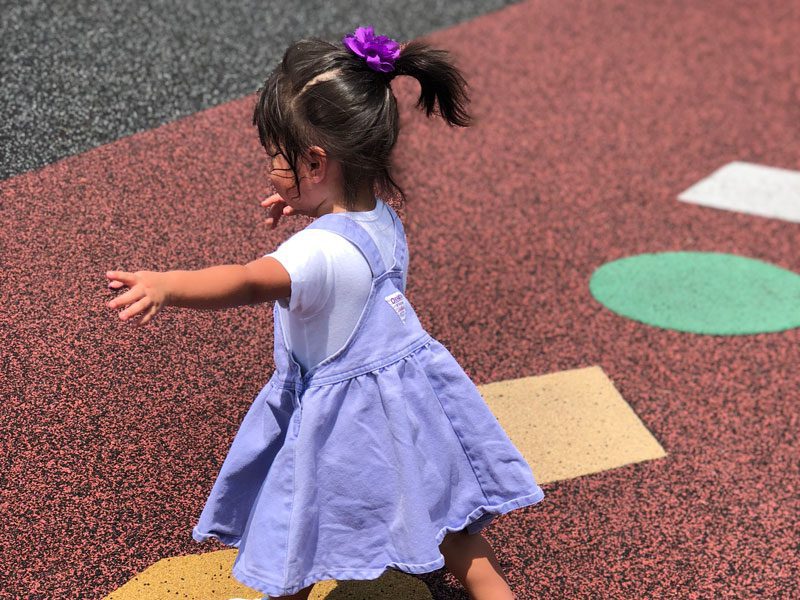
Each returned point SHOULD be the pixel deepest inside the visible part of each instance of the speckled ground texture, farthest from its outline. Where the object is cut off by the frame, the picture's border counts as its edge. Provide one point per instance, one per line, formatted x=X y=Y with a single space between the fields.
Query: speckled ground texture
x=592 y=117
x=80 y=73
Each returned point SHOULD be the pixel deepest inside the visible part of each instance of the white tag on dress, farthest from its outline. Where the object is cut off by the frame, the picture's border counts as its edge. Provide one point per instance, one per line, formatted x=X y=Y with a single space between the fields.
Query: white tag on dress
x=397 y=302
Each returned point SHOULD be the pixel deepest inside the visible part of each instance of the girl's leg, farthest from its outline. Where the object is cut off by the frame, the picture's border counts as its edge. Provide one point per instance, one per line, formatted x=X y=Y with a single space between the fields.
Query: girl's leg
x=471 y=559
x=301 y=595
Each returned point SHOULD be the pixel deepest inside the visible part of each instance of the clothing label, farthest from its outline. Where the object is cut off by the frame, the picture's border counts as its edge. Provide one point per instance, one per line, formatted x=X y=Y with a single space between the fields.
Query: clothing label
x=397 y=302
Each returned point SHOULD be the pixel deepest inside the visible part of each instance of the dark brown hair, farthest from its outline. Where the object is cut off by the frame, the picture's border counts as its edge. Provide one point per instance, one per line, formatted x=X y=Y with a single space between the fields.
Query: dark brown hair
x=351 y=114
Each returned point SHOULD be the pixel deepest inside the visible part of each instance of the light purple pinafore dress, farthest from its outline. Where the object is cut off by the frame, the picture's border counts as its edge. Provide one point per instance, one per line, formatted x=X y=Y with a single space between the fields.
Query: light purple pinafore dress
x=369 y=459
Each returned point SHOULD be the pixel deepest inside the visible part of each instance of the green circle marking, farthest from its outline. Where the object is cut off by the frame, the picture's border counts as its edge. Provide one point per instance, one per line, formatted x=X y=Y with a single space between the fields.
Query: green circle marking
x=700 y=292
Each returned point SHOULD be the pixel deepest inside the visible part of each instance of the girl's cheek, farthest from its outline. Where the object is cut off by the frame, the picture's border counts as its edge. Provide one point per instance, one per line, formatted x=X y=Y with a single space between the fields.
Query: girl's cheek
x=277 y=182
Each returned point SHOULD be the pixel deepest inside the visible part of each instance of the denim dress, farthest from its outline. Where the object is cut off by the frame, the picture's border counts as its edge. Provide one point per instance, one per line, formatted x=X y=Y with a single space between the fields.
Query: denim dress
x=365 y=462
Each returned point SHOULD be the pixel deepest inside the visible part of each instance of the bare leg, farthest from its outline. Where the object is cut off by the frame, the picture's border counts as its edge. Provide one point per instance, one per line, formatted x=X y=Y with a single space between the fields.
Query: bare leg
x=301 y=595
x=472 y=561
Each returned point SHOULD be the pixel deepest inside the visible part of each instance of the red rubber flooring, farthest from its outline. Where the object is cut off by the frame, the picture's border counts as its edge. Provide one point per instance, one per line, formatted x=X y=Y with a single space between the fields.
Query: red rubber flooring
x=592 y=117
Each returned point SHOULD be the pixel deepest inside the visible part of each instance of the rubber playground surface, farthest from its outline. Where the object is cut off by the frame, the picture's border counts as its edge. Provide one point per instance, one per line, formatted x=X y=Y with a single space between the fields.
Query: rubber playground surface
x=669 y=458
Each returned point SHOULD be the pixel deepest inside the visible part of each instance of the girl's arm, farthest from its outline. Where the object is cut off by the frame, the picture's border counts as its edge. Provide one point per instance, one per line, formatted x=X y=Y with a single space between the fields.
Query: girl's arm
x=222 y=286
x=226 y=286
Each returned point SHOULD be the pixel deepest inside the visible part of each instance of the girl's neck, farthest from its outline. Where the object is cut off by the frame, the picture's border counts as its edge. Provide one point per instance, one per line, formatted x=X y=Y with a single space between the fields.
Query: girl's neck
x=365 y=201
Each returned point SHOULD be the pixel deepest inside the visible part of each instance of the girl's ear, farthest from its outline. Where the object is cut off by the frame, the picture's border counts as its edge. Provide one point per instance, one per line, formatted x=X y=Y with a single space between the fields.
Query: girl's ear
x=317 y=161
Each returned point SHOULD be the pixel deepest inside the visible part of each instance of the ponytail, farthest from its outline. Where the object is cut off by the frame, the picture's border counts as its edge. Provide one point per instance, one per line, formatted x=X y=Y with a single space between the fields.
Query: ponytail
x=440 y=82
x=323 y=94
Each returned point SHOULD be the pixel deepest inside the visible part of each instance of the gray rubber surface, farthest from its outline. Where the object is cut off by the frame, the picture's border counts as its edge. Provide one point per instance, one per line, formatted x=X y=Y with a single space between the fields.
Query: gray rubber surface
x=77 y=74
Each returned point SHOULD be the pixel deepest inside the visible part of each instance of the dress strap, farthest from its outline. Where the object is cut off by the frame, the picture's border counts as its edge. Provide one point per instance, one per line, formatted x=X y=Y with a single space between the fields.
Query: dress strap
x=348 y=228
x=401 y=247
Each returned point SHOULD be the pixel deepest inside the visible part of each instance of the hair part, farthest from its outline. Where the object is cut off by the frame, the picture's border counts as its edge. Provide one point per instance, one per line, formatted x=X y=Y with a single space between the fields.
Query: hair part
x=322 y=94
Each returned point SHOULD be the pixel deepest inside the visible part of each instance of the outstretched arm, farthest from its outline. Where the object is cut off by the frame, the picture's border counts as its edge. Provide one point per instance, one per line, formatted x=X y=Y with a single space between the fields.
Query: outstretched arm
x=222 y=286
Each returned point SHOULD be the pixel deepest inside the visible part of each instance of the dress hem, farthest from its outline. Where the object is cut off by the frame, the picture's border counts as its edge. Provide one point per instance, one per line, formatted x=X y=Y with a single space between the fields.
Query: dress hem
x=474 y=523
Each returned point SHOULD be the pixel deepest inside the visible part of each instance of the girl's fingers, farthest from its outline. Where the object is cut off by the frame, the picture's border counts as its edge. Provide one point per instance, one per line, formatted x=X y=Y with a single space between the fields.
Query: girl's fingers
x=274 y=205
x=135 y=309
x=275 y=215
x=276 y=208
x=131 y=295
x=148 y=316
x=116 y=284
x=272 y=200
x=123 y=276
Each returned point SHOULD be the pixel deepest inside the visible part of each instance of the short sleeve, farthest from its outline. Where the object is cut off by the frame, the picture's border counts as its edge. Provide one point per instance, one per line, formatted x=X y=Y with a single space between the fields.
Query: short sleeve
x=309 y=266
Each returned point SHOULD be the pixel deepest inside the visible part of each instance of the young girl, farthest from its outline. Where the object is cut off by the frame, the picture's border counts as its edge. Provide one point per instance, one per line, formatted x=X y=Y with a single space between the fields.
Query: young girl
x=369 y=447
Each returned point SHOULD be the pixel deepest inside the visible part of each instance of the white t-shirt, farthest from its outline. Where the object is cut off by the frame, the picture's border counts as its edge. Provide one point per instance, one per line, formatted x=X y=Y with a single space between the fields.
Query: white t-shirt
x=331 y=281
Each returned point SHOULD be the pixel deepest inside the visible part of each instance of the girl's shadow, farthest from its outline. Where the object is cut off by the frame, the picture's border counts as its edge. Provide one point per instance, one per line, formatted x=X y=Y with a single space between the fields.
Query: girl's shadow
x=396 y=585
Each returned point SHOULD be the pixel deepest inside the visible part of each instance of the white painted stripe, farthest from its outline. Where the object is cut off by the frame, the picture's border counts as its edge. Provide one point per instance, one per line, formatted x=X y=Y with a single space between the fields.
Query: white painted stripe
x=749 y=188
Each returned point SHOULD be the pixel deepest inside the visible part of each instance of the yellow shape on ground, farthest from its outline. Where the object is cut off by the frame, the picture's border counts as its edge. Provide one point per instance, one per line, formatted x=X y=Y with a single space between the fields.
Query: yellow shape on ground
x=565 y=424
x=208 y=577
x=570 y=423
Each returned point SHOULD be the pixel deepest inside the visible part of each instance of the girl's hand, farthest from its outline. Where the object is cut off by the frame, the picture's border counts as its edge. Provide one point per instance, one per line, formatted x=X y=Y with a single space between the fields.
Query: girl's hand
x=276 y=207
x=147 y=295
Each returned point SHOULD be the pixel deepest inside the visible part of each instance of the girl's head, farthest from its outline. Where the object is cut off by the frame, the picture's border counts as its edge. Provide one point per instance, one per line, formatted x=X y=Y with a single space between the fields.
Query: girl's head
x=325 y=101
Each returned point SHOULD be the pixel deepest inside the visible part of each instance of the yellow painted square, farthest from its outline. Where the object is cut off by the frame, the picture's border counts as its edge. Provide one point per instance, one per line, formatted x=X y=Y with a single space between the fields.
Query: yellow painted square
x=570 y=423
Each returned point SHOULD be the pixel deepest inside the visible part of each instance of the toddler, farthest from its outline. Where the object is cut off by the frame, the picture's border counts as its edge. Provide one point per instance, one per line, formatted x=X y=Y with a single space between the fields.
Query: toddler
x=369 y=448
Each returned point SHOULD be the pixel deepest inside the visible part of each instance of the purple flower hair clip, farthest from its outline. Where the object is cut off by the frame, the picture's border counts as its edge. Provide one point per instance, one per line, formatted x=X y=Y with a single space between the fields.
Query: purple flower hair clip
x=379 y=51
